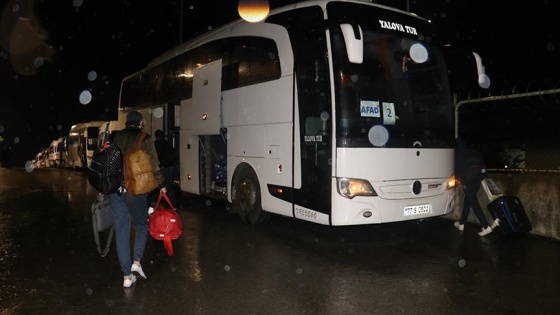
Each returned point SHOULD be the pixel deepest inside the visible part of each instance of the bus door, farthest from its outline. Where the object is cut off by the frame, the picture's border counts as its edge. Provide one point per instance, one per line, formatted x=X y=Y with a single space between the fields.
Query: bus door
x=203 y=139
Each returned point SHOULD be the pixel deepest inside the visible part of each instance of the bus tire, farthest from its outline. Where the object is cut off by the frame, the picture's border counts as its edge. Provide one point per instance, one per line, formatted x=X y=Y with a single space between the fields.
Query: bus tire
x=247 y=197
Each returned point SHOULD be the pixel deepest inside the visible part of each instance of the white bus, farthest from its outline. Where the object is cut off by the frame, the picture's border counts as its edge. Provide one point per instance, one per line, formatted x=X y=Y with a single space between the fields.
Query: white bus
x=57 y=152
x=107 y=128
x=334 y=112
x=81 y=143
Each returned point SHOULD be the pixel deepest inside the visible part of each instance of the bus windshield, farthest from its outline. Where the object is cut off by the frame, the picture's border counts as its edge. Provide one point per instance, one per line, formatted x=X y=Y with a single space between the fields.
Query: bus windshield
x=398 y=96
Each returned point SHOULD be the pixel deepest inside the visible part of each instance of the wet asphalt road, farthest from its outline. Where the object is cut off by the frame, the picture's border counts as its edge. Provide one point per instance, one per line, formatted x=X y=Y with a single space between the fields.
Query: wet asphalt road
x=49 y=263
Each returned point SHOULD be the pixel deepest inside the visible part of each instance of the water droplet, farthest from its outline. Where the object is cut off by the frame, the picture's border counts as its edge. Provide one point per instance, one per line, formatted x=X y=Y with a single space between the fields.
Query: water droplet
x=92 y=75
x=85 y=97
x=38 y=62
x=29 y=166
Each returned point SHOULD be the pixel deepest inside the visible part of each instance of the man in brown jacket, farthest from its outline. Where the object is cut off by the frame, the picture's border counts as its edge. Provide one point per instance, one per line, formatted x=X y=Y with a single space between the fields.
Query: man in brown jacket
x=124 y=206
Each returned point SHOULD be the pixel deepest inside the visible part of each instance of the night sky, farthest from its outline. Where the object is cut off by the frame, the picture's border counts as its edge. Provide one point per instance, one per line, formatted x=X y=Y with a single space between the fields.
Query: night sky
x=51 y=51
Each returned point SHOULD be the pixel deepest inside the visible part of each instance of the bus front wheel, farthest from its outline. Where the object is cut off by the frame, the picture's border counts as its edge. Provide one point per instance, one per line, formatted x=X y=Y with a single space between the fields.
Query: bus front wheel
x=247 y=198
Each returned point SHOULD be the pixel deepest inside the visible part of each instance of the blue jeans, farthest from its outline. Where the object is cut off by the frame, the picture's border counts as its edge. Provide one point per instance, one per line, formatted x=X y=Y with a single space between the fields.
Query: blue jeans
x=471 y=201
x=124 y=207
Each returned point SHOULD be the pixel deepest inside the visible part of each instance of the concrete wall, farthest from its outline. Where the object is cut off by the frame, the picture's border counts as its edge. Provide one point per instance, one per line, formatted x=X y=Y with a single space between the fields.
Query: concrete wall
x=539 y=192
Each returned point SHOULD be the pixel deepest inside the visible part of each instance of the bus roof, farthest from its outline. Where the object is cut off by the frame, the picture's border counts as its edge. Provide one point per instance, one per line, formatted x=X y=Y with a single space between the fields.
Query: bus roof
x=97 y=123
x=225 y=30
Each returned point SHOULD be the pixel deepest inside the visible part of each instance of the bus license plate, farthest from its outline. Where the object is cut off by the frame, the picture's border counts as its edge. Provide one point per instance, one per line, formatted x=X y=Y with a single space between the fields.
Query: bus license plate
x=412 y=210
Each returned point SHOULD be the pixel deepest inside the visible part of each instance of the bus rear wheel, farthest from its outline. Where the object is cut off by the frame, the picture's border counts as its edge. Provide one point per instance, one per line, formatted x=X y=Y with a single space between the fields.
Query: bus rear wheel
x=247 y=198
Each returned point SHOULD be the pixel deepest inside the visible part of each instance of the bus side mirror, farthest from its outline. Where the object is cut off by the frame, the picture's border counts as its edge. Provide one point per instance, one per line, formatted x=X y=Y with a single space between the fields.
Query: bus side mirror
x=354 y=40
x=483 y=79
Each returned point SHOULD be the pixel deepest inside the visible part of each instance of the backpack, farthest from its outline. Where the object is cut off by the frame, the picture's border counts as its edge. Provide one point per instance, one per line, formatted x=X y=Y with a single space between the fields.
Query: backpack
x=139 y=176
x=105 y=171
x=165 y=224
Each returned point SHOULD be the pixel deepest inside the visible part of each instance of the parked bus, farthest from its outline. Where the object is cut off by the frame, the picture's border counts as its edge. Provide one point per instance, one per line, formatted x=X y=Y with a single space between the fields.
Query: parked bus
x=82 y=142
x=107 y=128
x=334 y=112
x=63 y=150
x=57 y=152
x=41 y=159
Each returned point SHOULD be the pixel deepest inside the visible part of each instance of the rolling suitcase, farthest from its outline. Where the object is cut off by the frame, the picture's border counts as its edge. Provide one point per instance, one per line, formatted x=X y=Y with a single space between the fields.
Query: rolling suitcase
x=511 y=215
x=102 y=221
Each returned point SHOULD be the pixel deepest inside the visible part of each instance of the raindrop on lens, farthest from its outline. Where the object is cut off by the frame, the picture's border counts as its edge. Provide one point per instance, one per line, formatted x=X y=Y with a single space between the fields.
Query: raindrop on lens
x=462 y=263
x=92 y=75
x=38 y=62
x=29 y=166
x=418 y=53
x=85 y=97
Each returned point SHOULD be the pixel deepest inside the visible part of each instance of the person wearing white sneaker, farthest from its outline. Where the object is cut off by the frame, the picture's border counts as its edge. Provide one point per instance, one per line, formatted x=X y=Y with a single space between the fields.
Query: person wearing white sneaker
x=495 y=224
x=129 y=280
x=485 y=231
x=136 y=267
x=131 y=211
x=470 y=169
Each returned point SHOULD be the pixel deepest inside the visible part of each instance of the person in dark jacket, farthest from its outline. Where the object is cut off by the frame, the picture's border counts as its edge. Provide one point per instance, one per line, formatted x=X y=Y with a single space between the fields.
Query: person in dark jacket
x=470 y=169
x=167 y=157
x=125 y=206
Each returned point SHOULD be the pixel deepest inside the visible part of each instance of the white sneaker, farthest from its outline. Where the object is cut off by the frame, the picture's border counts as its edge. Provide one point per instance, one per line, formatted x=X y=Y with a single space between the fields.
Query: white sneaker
x=487 y=230
x=138 y=269
x=495 y=224
x=129 y=281
x=459 y=226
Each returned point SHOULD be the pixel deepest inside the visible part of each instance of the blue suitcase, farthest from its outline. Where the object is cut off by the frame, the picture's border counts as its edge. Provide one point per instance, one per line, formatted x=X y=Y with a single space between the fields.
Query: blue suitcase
x=513 y=218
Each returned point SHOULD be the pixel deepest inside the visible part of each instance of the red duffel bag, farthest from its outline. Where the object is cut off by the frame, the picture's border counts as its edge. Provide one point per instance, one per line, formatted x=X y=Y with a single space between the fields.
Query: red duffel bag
x=165 y=223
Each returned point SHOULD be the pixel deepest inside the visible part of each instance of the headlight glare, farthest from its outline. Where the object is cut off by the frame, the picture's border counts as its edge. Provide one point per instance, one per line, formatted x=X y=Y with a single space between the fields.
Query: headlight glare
x=352 y=187
x=452 y=182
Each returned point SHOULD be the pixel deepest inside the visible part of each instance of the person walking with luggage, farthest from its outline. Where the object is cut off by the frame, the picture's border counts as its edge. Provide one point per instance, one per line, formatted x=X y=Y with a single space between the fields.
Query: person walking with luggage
x=167 y=157
x=125 y=206
x=470 y=169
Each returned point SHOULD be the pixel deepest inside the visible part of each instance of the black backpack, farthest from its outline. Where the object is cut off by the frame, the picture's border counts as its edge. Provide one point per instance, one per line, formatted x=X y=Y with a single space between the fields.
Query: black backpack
x=105 y=171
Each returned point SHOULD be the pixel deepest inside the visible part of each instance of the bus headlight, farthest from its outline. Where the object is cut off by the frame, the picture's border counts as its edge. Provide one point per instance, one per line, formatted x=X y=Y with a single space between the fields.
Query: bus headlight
x=352 y=187
x=452 y=182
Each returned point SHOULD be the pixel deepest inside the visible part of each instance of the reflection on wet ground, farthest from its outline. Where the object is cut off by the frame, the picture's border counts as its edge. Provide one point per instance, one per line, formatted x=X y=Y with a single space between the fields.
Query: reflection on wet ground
x=49 y=263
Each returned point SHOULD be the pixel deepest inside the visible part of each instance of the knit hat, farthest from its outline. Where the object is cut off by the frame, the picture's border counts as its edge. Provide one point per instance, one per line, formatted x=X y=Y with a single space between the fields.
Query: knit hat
x=134 y=116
